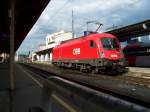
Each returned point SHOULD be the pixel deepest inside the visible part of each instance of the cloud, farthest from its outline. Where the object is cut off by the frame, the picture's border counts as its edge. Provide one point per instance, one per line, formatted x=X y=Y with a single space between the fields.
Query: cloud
x=57 y=16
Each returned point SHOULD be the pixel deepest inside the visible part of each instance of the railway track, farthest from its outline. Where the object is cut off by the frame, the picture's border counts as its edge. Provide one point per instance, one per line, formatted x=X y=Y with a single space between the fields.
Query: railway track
x=140 y=79
x=91 y=82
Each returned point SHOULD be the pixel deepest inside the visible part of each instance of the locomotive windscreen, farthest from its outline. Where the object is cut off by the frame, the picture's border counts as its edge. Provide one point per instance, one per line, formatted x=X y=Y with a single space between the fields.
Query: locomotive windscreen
x=110 y=43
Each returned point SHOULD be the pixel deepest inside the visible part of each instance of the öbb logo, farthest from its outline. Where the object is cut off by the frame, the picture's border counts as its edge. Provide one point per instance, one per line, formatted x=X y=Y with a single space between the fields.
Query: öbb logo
x=76 y=51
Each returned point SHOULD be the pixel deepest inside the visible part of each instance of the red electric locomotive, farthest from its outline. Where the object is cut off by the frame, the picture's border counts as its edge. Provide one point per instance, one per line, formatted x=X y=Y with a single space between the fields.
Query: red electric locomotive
x=94 y=52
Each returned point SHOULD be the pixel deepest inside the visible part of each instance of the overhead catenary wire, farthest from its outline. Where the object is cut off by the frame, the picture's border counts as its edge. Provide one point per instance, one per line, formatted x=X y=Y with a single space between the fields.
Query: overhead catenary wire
x=60 y=9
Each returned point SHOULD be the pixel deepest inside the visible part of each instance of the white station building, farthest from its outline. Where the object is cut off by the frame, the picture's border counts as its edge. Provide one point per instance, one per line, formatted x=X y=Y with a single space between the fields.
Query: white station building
x=44 y=51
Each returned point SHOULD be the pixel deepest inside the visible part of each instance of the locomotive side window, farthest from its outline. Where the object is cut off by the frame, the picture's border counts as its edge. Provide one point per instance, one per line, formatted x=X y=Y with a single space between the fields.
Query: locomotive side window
x=92 y=44
x=110 y=43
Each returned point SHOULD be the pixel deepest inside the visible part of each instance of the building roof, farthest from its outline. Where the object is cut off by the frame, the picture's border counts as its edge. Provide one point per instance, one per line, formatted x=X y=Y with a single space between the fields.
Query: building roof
x=134 y=30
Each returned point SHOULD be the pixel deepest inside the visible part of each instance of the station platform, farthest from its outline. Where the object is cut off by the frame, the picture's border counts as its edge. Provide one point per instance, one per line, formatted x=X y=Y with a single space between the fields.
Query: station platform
x=27 y=96
x=4 y=88
x=140 y=69
x=30 y=94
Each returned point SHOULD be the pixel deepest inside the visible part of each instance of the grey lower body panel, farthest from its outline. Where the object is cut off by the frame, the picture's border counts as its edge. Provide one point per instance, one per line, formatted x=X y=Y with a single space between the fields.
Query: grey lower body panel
x=94 y=62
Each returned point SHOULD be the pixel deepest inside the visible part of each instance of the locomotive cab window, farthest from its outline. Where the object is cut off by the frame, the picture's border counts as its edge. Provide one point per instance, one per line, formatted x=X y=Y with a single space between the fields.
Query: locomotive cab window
x=92 y=44
x=110 y=43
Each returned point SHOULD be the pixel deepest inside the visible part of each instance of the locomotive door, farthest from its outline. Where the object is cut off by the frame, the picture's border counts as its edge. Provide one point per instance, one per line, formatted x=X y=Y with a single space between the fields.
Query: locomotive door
x=93 y=49
x=60 y=54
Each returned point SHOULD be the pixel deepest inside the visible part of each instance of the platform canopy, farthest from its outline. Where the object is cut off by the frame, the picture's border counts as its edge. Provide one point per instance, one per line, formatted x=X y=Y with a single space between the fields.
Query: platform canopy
x=26 y=14
x=134 y=30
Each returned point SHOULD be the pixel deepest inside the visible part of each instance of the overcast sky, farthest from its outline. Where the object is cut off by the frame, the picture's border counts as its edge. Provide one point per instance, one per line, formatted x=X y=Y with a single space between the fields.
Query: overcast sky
x=57 y=16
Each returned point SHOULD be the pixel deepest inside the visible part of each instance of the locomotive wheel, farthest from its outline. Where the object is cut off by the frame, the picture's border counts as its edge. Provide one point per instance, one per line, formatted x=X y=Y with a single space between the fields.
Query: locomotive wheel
x=84 y=69
x=81 y=68
x=95 y=71
x=123 y=70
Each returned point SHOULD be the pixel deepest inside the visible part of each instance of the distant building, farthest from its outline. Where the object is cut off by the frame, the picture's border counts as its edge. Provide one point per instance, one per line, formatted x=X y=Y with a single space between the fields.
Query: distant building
x=21 y=58
x=41 y=47
x=58 y=37
x=44 y=52
x=4 y=57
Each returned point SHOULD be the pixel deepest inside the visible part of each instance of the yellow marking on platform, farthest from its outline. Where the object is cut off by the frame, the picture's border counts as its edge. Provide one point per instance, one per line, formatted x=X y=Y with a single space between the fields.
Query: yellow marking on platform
x=64 y=104
x=34 y=79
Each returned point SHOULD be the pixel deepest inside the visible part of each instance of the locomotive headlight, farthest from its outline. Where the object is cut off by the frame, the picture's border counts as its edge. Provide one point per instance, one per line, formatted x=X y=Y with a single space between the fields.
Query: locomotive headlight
x=102 y=54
